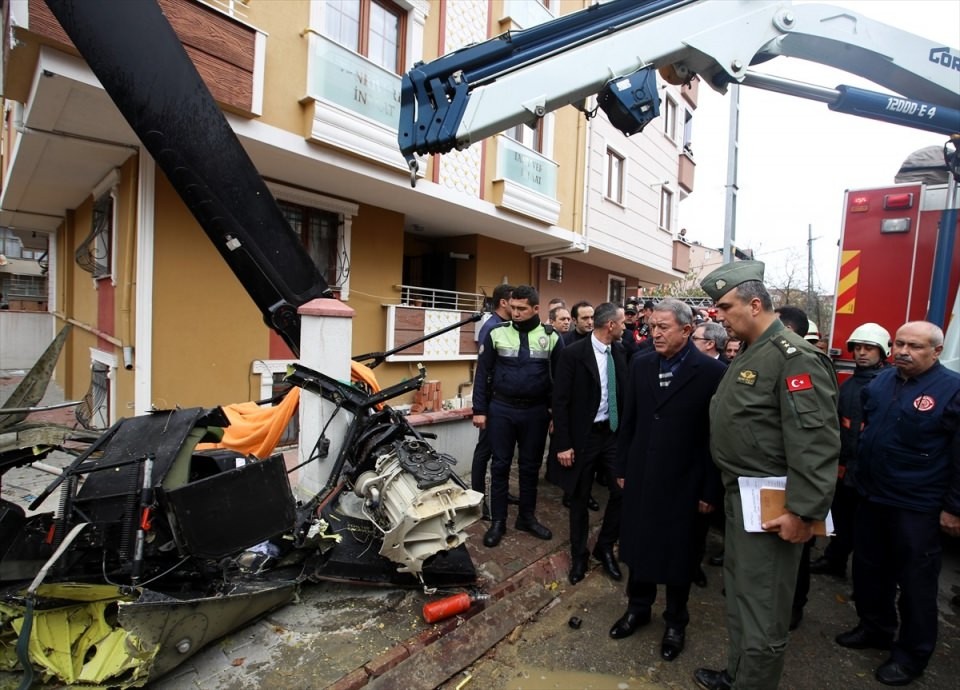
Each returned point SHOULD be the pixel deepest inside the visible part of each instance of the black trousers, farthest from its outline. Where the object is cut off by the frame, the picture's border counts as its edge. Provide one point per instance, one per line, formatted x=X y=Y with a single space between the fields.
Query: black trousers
x=481 y=461
x=641 y=595
x=901 y=548
x=523 y=429
x=844 y=519
x=599 y=453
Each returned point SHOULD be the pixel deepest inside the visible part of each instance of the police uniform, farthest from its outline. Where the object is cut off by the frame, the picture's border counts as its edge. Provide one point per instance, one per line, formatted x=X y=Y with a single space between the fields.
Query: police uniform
x=773 y=415
x=513 y=388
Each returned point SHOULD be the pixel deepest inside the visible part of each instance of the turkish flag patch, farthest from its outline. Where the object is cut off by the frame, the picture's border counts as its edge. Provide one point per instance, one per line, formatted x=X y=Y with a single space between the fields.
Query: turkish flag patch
x=799 y=382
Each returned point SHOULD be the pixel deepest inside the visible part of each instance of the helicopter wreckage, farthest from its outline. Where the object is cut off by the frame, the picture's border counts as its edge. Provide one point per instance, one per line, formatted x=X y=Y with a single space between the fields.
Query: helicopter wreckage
x=158 y=547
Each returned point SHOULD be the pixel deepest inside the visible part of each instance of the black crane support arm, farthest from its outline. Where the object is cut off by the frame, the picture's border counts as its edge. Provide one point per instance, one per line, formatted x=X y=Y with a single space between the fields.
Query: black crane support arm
x=143 y=67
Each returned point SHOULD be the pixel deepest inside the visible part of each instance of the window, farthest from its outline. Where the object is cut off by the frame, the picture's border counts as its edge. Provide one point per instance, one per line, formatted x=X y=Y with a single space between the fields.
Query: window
x=11 y=246
x=103 y=235
x=670 y=118
x=531 y=138
x=319 y=232
x=687 y=132
x=615 y=164
x=555 y=270
x=616 y=289
x=95 y=253
x=666 y=208
x=93 y=412
x=375 y=29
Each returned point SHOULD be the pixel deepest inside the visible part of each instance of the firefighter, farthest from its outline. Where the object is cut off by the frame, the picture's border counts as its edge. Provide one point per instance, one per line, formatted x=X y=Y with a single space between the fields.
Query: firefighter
x=511 y=400
x=870 y=345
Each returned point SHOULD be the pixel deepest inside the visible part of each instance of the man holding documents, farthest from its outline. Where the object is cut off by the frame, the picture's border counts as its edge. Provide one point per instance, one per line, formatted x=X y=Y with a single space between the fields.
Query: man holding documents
x=774 y=415
x=908 y=476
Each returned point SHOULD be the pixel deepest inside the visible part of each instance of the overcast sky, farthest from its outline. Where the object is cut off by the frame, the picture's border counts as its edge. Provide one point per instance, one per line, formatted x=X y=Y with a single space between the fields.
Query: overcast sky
x=797 y=157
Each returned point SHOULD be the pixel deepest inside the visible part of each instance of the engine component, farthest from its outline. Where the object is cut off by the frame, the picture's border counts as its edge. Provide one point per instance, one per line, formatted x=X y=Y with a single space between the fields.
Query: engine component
x=411 y=497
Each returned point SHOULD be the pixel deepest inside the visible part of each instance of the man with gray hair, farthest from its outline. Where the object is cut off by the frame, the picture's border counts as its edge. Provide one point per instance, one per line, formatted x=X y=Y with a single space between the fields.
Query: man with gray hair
x=908 y=476
x=710 y=338
x=663 y=465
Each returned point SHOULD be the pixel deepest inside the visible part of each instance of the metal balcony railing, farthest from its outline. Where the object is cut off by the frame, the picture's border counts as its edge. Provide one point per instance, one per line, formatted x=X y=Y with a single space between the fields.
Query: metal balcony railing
x=429 y=298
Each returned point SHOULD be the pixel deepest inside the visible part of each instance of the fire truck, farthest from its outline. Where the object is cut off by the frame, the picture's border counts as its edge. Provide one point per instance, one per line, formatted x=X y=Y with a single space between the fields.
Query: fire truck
x=887 y=270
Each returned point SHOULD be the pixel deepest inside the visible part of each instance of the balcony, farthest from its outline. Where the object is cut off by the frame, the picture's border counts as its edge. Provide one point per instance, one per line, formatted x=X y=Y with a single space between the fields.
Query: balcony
x=525 y=182
x=423 y=311
x=690 y=91
x=685 y=171
x=355 y=104
x=681 y=256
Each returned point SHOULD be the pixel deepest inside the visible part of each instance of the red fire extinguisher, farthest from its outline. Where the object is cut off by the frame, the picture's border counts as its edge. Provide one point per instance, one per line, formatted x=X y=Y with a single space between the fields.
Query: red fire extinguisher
x=442 y=609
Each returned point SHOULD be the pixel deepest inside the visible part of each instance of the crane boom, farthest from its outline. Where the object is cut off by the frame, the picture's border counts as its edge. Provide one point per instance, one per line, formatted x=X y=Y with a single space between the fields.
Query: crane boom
x=520 y=76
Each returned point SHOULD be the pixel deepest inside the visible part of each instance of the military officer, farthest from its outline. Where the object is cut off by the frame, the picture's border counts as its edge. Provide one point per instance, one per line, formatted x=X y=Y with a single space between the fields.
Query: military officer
x=773 y=415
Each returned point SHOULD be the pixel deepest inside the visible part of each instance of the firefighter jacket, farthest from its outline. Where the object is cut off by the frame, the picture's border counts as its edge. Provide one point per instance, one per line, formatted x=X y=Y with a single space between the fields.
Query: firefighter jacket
x=907 y=456
x=773 y=415
x=850 y=409
x=516 y=365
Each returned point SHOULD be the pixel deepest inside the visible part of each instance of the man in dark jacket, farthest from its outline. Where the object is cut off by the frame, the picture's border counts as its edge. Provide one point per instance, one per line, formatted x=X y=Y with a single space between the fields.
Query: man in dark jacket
x=870 y=345
x=587 y=400
x=665 y=470
x=908 y=476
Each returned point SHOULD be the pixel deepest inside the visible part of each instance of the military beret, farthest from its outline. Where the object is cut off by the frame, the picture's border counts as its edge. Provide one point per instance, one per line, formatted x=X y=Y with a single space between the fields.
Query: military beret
x=720 y=281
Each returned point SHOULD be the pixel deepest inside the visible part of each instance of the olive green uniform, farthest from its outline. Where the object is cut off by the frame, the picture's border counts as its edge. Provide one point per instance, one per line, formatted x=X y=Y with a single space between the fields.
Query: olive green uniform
x=774 y=414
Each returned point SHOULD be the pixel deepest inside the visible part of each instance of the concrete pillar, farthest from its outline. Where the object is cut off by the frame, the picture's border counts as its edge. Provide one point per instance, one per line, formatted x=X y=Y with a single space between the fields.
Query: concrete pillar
x=326 y=340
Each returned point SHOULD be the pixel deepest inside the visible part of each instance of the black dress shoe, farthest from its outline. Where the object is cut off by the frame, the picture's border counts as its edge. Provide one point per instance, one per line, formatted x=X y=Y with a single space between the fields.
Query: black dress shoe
x=628 y=623
x=493 y=536
x=894 y=673
x=609 y=562
x=672 y=644
x=824 y=566
x=716 y=560
x=861 y=638
x=530 y=524
x=578 y=569
x=593 y=505
x=795 y=617
x=512 y=500
x=713 y=680
x=700 y=578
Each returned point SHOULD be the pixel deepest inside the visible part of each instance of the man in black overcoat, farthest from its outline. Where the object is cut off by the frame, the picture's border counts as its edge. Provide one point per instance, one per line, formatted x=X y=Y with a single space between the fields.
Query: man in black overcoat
x=586 y=412
x=664 y=466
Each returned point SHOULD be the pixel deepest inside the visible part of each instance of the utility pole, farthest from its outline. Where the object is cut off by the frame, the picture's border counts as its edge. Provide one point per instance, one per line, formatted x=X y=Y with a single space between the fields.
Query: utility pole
x=733 y=150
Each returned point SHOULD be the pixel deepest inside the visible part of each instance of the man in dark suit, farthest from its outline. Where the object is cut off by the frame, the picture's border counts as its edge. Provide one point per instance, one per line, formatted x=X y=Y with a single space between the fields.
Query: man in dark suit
x=664 y=467
x=587 y=397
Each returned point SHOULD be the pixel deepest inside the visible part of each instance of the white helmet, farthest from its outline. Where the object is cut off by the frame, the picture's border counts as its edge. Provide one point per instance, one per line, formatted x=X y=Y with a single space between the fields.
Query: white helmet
x=813 y=333
x=870 y=334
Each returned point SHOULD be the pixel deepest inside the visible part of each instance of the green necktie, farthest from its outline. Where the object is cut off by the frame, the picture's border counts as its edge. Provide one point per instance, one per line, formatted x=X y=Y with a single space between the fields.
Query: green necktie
x=612 y=392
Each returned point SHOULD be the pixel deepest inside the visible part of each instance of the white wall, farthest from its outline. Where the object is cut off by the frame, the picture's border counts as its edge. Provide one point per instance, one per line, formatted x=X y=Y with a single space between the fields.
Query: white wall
x=24 y=335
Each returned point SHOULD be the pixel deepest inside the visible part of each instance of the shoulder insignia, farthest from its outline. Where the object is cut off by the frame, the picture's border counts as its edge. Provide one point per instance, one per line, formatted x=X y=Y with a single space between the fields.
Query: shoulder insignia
x=788 y=348
x=747 y=377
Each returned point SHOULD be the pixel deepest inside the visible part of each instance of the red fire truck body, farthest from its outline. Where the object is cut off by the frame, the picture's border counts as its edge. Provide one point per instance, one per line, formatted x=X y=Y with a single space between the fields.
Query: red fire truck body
x=887 y=248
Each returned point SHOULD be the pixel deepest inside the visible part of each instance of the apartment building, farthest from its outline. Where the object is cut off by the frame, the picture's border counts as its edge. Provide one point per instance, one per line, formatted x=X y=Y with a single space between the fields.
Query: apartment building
x=311 y=89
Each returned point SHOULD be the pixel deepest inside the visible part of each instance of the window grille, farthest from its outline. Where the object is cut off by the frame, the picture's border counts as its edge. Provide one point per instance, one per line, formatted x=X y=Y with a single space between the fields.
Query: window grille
x=93 y=412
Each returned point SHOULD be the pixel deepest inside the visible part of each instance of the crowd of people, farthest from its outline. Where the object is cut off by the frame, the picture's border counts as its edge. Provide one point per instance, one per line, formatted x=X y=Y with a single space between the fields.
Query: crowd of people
x=671 y=408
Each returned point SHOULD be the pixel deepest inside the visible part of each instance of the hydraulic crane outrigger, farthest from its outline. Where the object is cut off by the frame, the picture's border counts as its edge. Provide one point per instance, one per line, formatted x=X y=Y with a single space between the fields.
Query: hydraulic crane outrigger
x=612 y=49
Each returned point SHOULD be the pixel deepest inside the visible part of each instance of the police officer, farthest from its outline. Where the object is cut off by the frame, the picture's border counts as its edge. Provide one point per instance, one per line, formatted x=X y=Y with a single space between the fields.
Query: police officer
x=869 y=343
x=511 y=400
x=773 y=415
x=908 y=476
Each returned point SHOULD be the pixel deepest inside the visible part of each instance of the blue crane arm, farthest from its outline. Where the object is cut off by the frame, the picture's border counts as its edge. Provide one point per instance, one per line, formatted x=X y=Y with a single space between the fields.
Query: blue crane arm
x=518 y=77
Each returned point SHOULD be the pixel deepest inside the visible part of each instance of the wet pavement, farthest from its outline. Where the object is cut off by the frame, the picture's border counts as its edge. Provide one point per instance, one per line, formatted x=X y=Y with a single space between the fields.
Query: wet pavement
x=347 y=636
